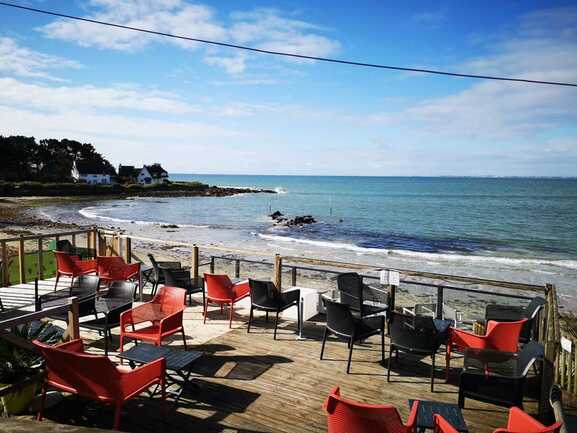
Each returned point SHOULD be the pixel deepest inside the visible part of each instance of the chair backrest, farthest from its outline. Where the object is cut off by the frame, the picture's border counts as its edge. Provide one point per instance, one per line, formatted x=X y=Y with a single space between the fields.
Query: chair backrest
x=170 y=277
x=65 y=262
x=350 y=285
x=155 y=268
x=263 y=293
x=441 y=425
x=93 y=376
x=86 y=285
x=504 y=336
x=170 y=299
x=534 y=307
x=413 y=332
x=218 y=286
x=109 y=264
x=521 y=422
x=339 y=318
x=122 y=290
x=528 y=355
x=65 y=246
x=346 y=416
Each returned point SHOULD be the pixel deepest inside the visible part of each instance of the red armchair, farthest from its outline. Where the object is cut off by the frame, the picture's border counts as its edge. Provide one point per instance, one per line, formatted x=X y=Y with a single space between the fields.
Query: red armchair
x=441 y=425
x=95 y=377
x=72 y=266
x=161 y=317
x=503 y=336
x=113 y=268
x=220 y=290
x=520 y=422
x=346 y=416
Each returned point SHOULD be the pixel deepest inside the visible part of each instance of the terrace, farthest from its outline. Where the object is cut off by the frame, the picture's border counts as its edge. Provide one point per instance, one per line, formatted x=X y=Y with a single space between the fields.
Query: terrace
x=252 y=383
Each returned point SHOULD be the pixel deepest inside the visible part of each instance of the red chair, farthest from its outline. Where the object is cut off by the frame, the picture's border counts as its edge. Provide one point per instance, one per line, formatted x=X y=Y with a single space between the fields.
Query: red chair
x=520 y=422
x=113 y=268
x=220 y=290
x=162 y=316
x=72 y=266
x=96 y=377
x=345 y=416
x=503 y=336
x=441 y=425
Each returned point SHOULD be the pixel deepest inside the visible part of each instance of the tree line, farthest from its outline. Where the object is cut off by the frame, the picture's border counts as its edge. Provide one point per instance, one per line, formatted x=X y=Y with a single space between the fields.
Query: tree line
x=48 y=160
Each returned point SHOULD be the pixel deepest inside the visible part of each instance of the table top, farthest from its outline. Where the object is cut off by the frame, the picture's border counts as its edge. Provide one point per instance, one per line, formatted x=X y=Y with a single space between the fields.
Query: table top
x=176 y=359
x=451 y=412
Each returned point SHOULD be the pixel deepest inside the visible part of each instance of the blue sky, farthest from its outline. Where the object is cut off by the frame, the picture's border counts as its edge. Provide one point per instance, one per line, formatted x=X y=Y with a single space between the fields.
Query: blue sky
x=204 y=109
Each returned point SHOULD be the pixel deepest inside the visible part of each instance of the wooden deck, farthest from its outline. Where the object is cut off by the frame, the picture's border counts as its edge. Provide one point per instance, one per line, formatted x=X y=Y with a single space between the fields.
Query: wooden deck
x=251 y=383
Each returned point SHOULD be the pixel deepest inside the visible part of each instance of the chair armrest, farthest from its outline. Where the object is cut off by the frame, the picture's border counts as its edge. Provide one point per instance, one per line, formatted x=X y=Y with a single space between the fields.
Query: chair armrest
x=131 y=270
x=72 y=346
x=126 y=318
x=86 y=265
x=520 y=421
x=135 y=381
x=171 y=322
x=467 y=339
x=114 y=316
x=169 y=265
x=412 y=420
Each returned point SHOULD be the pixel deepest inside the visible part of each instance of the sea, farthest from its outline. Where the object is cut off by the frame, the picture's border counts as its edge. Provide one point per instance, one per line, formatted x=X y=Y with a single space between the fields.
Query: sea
x=515 y=229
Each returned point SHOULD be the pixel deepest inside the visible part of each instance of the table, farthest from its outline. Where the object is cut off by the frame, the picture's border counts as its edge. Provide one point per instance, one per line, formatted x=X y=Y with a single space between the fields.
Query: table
x=309 y=303
x=177 y=360
x=106 y=305
x=451 y=412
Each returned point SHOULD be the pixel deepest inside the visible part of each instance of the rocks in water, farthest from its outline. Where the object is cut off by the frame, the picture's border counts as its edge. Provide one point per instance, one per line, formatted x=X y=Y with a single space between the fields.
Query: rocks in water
x=168 y=226
x=279 y=219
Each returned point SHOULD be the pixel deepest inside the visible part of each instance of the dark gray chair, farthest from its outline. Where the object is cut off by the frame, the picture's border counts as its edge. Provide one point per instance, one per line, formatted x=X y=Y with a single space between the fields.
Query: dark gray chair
x=354 y=294
x=342 y=324
x=181 y=278
x=84 y=288
x=157 y=276
x=508 y=313
x=498 y=377
x=264 y=296
x=415 y=335
x=117 y=300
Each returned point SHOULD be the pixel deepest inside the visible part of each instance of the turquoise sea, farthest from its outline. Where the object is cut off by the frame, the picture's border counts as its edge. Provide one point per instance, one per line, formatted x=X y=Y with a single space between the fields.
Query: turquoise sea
x=524 y=229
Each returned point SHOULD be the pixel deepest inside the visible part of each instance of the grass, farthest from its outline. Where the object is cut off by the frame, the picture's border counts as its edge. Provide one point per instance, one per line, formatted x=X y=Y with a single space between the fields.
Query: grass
x=31 y=266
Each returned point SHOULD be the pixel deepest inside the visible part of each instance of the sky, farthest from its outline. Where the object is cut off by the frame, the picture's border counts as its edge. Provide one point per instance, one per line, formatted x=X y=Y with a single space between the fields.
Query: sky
x=196 y=108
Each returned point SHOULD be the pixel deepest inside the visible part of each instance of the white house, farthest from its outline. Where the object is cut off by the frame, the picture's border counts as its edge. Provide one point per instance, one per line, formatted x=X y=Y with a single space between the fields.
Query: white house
x=152 y=175
x=93 y=172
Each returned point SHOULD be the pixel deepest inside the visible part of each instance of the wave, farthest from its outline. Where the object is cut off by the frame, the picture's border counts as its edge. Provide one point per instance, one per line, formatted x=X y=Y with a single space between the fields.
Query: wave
x=570 y=264
x=90 y=213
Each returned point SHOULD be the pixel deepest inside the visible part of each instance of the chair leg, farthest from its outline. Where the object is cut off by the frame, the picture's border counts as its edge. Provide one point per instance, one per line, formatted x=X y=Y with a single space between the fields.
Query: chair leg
x=230 y=315
x=57 y=278
x=105 y=343
x=383 y=345
x=432 y=371
x=189 y=299
x=389 y=363
x=461 y=401
x=205 y=310
x=275 y=326
x=267 y=317
x=324 y=341
x=184 y=339
x=350 y=355
x=117 y=413
x=120 y=349
x=299 y=321
x=250 y=319
x=447 y=361
x=40 y=415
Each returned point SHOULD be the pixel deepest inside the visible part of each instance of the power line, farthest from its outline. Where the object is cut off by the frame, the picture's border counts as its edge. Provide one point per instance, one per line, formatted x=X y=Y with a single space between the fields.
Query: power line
x=285 y=54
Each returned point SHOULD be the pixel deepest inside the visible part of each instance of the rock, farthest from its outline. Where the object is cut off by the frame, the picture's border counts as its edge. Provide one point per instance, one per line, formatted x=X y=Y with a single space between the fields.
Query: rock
x=276 y=215
x=296 y=221
x=168 y=226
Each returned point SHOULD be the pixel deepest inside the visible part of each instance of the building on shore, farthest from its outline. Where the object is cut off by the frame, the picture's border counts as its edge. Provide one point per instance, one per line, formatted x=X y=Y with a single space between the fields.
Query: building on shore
x=93 y=172
x=146 y=175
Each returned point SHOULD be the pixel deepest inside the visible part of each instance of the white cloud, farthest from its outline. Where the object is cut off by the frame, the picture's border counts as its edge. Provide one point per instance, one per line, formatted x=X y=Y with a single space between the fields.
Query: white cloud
x=261 y=28
x=89 y=98
x=22 y=61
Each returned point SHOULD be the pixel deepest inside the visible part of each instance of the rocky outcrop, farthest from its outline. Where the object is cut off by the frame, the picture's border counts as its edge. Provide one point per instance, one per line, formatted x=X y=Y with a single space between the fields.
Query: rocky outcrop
x=279 y=219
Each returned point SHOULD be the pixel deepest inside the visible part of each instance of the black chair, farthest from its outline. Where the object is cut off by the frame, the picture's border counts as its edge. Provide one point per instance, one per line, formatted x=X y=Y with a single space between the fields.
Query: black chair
x=416 y=335
x=85 y=289
x=65 y=246
x=343 y=324
x=354 y=294
x=507 y=313
x=117 y=300
x=181 y=278
x=157 y=276
x=498 y=377
x=265 y=296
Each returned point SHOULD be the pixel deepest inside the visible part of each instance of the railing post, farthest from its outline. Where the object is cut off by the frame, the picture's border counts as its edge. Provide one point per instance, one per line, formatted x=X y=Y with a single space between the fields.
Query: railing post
x=36 y=298
x=293 y=276
x=439 y=302
x=73 y=329
x=128 y=250
x=237 y=268
x=101 y=250
x=194 y=265
x=5 y=270
x=21 y=260
x=277 y=278
x=392 y=293
x=212 y=264
x=73 y=239
x=40 y=260
x=115 y=245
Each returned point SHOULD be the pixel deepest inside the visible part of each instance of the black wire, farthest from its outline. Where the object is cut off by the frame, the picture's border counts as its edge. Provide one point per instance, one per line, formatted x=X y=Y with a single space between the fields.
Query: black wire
x=281 y=53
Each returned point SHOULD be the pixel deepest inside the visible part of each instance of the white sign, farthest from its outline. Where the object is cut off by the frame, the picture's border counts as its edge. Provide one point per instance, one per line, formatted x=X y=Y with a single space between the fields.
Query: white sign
x=566 y=344
x=392 y=278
